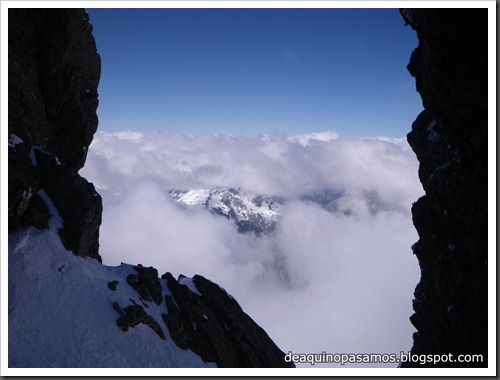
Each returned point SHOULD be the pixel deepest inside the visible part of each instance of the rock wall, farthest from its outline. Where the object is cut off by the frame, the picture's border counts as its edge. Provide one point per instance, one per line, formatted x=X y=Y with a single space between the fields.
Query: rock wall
x=54 y=70
x=450 y=140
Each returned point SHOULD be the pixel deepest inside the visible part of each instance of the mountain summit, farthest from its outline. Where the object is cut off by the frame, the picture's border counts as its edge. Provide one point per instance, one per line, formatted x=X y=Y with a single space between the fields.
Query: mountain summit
x=250 y=212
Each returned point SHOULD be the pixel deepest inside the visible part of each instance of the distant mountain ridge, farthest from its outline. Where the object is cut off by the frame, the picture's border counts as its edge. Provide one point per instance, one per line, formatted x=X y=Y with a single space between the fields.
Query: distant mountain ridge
x=260 y=214
x=250 y=212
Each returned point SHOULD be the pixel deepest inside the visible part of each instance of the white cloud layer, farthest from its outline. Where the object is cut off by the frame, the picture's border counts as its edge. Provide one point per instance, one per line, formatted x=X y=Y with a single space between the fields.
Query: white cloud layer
x=323 y=281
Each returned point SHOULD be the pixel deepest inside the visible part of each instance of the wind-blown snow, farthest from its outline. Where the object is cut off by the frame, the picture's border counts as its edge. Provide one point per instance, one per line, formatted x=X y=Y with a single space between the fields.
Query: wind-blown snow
x=61 y=314
x=334 y=278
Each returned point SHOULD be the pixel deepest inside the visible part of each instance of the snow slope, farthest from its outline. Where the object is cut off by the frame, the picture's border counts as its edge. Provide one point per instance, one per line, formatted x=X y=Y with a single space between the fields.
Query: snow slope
x=61 y=315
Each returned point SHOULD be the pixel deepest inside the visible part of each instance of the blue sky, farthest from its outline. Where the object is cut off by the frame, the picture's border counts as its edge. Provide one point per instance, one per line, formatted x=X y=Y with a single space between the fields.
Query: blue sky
x=254 y=71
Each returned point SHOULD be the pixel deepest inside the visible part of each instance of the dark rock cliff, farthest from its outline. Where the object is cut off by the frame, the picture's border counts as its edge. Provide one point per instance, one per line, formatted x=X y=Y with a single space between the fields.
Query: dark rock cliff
x=200 y=316
x=54 y=70
x=212 y=324
x=450 y=140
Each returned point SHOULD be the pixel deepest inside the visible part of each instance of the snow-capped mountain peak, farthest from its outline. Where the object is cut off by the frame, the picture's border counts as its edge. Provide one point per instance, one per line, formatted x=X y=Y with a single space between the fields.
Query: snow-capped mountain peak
x=250 y=212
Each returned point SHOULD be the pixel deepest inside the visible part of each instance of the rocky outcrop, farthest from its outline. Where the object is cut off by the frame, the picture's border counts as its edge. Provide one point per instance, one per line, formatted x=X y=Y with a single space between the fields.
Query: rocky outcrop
x=54 y=70
x=210 y=322
x=199 y=315
x=450 y=140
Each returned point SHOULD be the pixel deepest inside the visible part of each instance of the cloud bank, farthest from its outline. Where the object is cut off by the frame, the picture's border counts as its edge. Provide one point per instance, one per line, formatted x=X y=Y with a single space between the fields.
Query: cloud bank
x=339 y=282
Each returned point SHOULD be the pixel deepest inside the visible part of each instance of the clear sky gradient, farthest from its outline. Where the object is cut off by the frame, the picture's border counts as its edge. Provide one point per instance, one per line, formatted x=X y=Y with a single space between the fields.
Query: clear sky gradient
x=254 y=71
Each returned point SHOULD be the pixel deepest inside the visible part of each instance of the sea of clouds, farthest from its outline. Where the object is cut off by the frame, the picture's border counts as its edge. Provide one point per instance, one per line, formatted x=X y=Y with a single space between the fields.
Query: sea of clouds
x=323 y=281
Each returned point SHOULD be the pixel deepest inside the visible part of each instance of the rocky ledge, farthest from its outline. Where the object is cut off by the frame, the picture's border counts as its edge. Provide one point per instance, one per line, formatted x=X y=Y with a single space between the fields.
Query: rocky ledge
x=450 y=140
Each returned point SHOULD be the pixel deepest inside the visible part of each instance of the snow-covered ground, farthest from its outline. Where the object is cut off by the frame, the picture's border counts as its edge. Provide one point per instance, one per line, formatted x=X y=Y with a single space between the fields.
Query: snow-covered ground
x=61 y=314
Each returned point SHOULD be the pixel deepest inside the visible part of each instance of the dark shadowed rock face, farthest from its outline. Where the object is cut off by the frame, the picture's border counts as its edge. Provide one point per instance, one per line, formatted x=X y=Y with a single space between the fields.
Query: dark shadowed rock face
x=200 y=316
x=450 y=140
x=54 y=71
x=212 y=324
